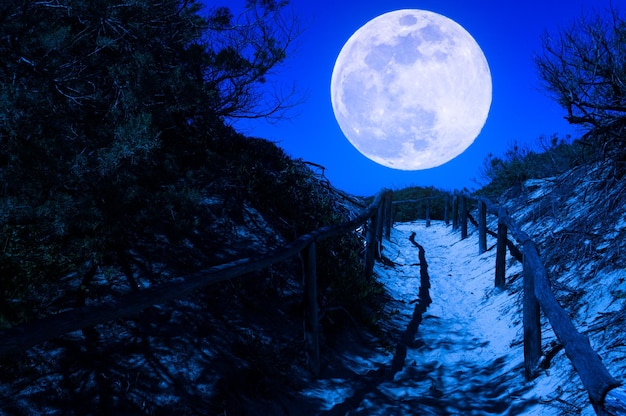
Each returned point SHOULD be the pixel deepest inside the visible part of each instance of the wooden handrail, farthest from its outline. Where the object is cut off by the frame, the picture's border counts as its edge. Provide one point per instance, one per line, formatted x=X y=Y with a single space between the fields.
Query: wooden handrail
x=27 y=335
x=416 y=200
x=600 y=385
x=605 y=392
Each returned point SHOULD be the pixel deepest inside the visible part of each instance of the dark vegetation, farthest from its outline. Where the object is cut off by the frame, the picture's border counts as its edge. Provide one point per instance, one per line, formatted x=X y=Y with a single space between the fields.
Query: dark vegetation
x=582 y=68
x=519 y=163
x=410 y=211
x=115 y=154
x=118 y=170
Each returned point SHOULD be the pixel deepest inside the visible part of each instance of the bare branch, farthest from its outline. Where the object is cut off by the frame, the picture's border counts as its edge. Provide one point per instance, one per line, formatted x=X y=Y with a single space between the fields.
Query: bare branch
x=245 y=52
x=583 y=69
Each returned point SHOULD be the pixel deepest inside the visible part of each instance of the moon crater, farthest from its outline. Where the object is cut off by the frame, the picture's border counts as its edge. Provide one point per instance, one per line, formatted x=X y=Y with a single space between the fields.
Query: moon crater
x=411 y=89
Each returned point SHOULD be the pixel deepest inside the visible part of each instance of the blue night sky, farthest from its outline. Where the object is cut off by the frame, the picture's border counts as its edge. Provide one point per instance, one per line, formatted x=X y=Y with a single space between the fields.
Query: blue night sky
x=509 y=34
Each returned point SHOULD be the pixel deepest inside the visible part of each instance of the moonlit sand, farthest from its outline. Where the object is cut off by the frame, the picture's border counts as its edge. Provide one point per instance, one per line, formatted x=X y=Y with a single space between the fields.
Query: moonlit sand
x=468 y=355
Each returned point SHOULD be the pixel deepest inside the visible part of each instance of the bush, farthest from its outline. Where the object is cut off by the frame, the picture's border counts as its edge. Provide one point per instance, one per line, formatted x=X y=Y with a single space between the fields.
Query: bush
x=519 y=163
x=411 y=211
x=113 y=139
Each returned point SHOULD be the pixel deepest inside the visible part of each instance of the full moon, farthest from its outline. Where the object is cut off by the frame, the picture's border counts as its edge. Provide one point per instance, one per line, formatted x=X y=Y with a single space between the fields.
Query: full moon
x=411 y=89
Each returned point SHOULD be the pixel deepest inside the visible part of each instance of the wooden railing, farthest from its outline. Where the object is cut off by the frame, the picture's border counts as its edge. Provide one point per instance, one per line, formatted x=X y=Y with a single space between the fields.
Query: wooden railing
x=606 y=394
x=376 y=218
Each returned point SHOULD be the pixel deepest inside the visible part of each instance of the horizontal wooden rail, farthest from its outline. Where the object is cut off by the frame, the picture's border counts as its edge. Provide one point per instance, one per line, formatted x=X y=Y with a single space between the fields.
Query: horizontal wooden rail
x=27 y=335
x=426 y=198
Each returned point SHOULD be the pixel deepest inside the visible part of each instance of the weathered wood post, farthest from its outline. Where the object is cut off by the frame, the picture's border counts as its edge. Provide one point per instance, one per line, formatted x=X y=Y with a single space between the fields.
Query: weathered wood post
x=463 y=217
x=311 y=322
x=455 y=211
x=370 y=247
x=594 y=375
x=388 y=215
x=501 y=250
x=531 y=319
x=428 y=212
x=482 y=227
x=446 y=215
x=380 y=220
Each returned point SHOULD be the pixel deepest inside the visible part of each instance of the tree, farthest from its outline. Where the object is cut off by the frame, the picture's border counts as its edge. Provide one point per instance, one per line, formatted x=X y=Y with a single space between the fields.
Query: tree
x=243 y=51
x=508 y=171
x=111 y=118
x=584 y=69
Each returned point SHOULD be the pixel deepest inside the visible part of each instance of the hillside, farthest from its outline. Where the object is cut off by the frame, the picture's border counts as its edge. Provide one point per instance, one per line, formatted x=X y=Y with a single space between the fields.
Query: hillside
x=578 y=220
x=235 y=346
x=238 y=346
x=467 y=354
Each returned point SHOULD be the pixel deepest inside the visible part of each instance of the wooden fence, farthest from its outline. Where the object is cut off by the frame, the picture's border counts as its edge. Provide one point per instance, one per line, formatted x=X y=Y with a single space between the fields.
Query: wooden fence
x=606 y=394
x=376 y=219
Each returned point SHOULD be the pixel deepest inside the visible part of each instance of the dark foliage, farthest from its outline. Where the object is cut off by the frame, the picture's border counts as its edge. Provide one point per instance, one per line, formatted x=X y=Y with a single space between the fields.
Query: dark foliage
x=419 y=198
x=552 y=156
x=103 y=104
x=115 y=156
x=582 y=67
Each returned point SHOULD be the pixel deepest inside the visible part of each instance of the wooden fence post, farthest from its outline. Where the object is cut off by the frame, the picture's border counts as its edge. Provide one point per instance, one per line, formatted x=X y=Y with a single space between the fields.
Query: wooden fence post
x=446 y=215
x=605 y=393
x=388 y=218
x=482 y=227
x=428 y=212
x=455 y=211
x=311 y=313
x=370 y=247
x=532 y=321
x=501 y=250
x=380 y=220
x=463 y=217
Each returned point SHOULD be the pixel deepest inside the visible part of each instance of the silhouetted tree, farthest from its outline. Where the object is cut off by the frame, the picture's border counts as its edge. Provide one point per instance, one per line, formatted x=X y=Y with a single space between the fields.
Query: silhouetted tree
x=111 y=118
x=243 y=50
x=583 y=67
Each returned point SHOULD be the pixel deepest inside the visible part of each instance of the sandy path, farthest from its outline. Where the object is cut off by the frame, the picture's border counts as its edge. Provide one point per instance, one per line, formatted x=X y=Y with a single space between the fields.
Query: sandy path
x=466 y=357
x=462 y=360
